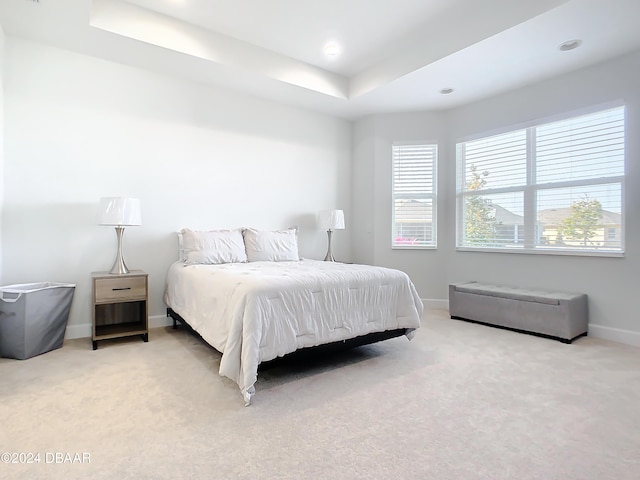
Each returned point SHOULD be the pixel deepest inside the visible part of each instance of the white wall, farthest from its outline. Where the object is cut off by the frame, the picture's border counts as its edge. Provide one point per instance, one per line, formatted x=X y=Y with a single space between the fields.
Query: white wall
x=611 y=283
x=79 y=128
x=372 y=178
x=363 y=191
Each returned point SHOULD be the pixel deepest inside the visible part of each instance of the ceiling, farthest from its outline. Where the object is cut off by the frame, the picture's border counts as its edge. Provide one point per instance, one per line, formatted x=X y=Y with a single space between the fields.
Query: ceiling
x=397 y=55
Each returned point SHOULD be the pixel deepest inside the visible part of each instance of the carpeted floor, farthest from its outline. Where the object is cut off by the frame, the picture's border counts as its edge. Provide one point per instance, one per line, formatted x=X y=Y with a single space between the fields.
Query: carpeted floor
x=460 y=401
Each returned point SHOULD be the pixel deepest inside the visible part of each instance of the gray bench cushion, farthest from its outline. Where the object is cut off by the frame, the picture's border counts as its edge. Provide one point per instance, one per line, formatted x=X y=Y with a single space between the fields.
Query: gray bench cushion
x=526 y=295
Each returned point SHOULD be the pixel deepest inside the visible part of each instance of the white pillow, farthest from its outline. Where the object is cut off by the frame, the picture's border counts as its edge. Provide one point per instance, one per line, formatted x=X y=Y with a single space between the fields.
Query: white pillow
x=212 y=247
x=181 y=253
x=271 y=246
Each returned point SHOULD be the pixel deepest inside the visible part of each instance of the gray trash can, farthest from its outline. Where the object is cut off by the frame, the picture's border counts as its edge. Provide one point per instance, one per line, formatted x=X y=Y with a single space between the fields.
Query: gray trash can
x=33 y=318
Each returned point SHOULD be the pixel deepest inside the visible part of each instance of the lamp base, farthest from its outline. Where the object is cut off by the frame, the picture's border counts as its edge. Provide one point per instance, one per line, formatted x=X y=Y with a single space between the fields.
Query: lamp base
x=329 y=256
x=119 y=267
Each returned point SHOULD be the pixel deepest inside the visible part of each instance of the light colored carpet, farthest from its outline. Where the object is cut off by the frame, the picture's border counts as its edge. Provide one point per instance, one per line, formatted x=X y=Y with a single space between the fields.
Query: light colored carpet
x=460 y=401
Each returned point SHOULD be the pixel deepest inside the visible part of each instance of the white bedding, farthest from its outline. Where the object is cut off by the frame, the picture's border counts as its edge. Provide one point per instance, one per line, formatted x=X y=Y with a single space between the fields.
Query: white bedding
x=257 y=311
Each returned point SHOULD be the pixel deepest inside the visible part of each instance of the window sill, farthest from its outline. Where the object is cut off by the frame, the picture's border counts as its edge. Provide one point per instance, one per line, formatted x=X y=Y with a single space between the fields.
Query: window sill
x=541 y=251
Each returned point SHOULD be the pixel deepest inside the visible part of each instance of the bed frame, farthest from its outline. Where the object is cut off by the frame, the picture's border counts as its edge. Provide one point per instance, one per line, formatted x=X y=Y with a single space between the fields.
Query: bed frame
x=368 y=339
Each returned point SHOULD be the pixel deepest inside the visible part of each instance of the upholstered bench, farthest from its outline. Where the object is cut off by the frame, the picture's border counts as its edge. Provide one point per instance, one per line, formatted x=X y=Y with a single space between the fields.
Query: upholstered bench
x=559 y=315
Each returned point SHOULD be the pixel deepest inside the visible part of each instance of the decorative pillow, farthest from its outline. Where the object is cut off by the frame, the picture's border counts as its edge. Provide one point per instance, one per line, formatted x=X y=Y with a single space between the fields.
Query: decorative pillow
x=271 y=246
x=212 y=247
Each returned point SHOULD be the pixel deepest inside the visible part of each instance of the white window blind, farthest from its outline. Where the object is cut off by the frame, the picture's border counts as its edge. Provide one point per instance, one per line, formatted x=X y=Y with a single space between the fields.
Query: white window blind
x=556 y=187
x=414 y=196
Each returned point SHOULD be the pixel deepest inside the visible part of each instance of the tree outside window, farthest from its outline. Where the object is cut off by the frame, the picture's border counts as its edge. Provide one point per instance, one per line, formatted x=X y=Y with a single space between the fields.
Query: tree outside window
x=480 y=221
x=583 y=222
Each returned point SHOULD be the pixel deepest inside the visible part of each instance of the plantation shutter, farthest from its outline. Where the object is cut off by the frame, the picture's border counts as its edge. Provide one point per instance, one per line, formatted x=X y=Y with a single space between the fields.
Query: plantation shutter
x=414 y=196
x=583 y=148
x=582 y=161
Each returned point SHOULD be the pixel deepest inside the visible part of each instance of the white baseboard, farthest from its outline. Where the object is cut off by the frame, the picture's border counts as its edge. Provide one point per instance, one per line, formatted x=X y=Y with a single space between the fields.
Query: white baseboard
x=628 y=337
x=435 y=303
x=78 y=331
x=160 y=321
x=84 y=330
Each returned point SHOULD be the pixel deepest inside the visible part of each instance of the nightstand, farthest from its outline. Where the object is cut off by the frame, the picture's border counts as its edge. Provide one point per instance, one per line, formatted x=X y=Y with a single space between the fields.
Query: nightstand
x=120 y=305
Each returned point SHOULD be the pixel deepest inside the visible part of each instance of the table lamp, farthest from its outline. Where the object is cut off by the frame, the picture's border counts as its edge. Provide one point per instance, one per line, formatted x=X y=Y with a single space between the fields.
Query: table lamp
x=331 y=220
x=120 y=212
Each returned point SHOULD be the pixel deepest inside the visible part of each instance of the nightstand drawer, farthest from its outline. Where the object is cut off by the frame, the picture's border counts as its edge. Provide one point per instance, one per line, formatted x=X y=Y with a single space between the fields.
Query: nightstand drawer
x=120 y=289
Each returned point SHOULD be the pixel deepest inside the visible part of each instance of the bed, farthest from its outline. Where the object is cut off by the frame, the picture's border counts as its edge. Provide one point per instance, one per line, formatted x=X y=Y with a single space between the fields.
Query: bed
x=254 y=308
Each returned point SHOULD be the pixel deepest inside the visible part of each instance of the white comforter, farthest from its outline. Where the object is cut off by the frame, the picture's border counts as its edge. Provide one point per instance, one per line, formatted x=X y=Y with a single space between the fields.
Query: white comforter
x=257 y=311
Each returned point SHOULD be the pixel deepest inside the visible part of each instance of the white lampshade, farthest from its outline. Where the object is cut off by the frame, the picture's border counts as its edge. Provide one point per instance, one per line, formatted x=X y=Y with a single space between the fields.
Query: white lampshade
x=331 y=220
x=120 y=211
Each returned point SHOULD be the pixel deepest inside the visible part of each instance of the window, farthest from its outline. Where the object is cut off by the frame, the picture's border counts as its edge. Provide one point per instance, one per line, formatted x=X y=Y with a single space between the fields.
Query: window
x=552 y=188
x=414 y=196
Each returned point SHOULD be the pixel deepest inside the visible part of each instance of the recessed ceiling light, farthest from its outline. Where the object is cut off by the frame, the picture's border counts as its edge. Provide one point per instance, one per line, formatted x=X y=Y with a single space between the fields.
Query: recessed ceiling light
x=332 y=49
x=570 y=45
x=446 y=91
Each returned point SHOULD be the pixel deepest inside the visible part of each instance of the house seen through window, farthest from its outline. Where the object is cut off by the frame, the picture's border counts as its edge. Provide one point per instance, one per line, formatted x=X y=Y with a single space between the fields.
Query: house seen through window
x=553 y=188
